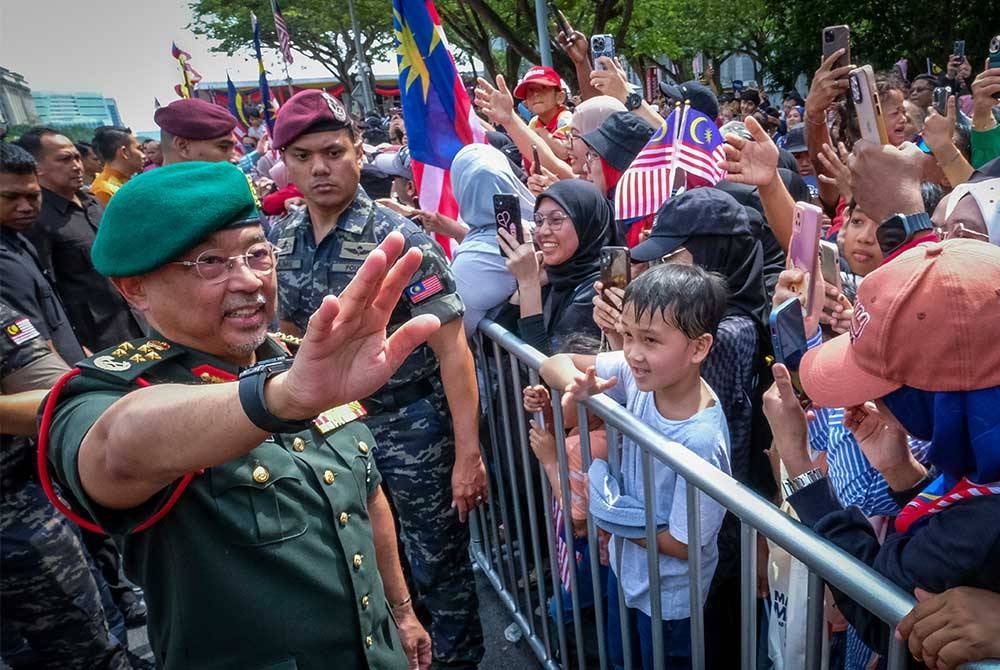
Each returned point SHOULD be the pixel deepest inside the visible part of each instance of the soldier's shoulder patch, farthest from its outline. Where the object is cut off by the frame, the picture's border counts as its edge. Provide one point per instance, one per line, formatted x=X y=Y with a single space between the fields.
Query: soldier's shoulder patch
x=20 y=330
x=129 y=360
x=426 y=288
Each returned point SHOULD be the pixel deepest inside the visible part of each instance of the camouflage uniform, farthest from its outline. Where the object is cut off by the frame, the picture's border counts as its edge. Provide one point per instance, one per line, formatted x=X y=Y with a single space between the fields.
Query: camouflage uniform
x=408 y=416
x=50 y=597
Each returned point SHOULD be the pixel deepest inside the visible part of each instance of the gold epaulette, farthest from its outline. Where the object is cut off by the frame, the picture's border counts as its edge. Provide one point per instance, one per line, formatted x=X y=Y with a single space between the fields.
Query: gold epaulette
x=290 y=342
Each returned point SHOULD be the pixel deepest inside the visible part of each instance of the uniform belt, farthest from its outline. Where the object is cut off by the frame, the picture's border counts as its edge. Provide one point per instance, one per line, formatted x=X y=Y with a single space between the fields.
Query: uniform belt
x=390 y=401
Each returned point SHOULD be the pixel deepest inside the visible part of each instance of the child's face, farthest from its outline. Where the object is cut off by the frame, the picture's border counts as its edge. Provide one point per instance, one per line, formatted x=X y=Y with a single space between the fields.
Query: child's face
x=542 y=100
x=658 y=353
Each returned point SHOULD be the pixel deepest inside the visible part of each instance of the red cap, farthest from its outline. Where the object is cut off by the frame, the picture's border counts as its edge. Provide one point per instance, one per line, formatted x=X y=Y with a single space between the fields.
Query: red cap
x=928 y=320
x=305 y=112
x=540 y=75
x=195 y=119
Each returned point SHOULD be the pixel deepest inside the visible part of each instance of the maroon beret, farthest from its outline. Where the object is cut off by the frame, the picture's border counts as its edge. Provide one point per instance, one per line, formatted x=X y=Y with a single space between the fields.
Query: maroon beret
x=305 y=112
x=195 y=119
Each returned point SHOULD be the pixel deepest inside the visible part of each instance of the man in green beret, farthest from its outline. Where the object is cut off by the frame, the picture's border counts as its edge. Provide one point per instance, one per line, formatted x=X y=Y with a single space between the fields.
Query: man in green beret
x=248 y=510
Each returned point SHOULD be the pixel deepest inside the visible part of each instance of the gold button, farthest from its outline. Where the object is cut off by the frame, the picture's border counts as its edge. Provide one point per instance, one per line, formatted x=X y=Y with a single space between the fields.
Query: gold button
x=261 y=475
x=358 y=560
x=329 y=477
x=298 y=444
x=369 y=641
x=364 y=602
x=344 y=516
x=362 y=447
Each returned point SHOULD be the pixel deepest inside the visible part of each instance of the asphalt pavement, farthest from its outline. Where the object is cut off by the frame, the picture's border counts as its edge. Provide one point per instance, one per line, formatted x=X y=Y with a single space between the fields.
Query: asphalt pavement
x=500 y=654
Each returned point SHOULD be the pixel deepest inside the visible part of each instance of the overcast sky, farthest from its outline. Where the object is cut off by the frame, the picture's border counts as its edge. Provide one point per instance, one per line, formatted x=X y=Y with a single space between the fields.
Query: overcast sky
x=120 y=48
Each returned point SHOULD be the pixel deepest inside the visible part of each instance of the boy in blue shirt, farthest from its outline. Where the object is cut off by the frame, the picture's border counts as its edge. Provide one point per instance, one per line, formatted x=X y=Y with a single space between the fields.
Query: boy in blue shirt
x=669 y=319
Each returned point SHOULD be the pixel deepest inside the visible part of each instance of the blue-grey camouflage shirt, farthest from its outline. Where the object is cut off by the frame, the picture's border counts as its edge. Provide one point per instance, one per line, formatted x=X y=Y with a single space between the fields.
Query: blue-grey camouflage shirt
x=309 y=270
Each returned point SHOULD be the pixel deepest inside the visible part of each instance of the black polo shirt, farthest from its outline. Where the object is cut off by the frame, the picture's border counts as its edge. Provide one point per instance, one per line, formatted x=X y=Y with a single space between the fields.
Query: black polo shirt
x=63 y=237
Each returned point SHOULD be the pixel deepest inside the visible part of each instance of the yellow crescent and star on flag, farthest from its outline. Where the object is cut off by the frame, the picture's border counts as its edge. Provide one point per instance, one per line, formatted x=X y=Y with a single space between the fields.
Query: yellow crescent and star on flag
x=707 y=135
x=409 y=54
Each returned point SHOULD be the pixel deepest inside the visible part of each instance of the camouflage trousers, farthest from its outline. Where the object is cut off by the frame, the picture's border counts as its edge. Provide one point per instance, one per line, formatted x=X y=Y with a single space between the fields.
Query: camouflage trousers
x=50 y=597
x=415 y=453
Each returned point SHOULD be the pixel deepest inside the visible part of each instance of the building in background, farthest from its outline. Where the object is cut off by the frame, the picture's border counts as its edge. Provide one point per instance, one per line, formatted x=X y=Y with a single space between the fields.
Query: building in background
x=76 y=109
x=16 y=105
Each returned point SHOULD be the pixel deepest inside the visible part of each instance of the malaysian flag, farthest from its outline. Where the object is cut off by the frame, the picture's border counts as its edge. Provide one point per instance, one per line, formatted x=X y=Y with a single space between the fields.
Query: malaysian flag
x=690 y=141
x=284 y=39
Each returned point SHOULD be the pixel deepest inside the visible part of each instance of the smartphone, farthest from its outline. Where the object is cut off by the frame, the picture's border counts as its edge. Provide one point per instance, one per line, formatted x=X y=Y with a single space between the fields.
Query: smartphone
x=507 y=213
x=788 y=337
x=994 y=55
x=829 y=262
x=959 y=49
x=837 y=37
x=940 y=99
x=601 y=45
x=536 y=165
x=866 y=105
x=922 y=145
x=561 y=23
x=804 y=248
x=616 y=267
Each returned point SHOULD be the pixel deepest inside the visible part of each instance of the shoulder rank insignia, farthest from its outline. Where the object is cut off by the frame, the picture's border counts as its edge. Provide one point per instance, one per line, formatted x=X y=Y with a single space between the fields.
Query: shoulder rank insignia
x=129 y=359
x=332 y=419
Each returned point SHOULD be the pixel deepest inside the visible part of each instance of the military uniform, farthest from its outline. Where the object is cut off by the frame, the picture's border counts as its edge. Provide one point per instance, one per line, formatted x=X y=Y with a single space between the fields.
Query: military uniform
x=50 y=597
x=266 y=561
x=408 y=416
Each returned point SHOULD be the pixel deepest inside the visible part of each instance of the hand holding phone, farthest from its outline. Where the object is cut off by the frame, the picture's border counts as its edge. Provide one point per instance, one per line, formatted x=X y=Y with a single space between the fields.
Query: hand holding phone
x=829 y=262
x=561 y=23
x=959 y=49
x=867 y=107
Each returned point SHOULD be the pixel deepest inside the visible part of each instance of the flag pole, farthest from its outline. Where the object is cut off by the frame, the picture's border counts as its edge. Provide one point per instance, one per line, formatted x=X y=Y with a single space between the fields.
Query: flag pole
x=288 y=79
x=368 y=99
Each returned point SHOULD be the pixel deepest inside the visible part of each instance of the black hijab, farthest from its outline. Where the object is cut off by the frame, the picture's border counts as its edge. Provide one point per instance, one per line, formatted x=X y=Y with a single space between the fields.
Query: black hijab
x=593 y=220
x=740 y=259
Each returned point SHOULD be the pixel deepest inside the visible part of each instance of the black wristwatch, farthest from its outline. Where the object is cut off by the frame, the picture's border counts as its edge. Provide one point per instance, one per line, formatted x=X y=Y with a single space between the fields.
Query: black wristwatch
x=633 y=101
x=252 y=382
x=898 y=228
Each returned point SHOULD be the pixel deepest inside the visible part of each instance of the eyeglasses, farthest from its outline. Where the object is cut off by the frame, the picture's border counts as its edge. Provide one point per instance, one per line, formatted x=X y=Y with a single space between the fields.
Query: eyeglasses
x=959 y=231
x=668 y=259
x=213 y=267
x=555 y=220
x=592 y=156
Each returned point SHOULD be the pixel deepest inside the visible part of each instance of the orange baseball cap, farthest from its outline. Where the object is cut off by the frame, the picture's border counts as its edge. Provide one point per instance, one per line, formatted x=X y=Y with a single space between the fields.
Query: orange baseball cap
x=541 y=75
x=929 y=320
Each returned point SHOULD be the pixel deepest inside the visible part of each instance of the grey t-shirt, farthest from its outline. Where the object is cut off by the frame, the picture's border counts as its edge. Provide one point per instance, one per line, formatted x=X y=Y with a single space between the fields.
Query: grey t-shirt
x=705 y=434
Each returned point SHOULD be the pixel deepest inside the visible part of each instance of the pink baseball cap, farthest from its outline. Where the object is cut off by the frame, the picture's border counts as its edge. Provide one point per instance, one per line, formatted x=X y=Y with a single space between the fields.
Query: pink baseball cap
x=541 y=75
x=929 y=320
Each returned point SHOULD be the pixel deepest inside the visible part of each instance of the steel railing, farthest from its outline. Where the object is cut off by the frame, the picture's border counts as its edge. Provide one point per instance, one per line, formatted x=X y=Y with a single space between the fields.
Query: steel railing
x=516 y=549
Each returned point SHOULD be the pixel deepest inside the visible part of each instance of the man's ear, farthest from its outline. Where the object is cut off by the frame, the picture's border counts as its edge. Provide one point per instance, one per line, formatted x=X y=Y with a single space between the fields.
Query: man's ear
x=133 y=289
x=702 y=345
x=411 y=188
x=359 y=151
x=181 y=146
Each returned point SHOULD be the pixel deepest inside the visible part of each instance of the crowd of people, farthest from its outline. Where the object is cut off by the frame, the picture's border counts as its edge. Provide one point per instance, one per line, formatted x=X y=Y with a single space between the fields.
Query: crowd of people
x=243 y=358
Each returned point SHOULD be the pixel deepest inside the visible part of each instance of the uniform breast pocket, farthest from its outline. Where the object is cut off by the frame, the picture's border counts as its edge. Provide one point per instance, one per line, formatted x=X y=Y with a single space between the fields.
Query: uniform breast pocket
x=339 y=275
x=52 y=313
x=259 y=497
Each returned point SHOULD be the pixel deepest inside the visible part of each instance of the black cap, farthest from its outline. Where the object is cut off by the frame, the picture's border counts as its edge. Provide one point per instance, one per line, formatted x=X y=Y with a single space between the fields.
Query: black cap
x=702 y=97
x=795 y=140
x=619 y=139
x=700 y=211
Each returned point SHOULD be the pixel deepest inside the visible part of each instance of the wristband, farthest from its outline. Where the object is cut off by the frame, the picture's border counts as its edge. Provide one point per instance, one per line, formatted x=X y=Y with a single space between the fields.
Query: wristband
x=251 y=388
x=405 y=601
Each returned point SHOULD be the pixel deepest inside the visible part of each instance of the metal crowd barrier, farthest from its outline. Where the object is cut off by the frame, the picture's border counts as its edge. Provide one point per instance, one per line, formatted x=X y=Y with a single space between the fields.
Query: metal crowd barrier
x=509 y=540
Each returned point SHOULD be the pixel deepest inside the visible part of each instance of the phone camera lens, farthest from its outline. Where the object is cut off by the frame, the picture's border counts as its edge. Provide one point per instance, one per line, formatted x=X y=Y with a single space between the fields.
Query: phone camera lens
x=599 y=44
x=828 y=36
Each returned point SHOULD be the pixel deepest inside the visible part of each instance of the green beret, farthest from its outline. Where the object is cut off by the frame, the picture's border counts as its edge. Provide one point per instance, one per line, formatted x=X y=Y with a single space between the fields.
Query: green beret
x=160 y=214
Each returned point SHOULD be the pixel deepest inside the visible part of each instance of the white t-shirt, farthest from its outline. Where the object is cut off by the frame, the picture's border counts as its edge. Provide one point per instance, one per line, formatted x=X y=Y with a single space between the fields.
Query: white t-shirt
x=707 y=435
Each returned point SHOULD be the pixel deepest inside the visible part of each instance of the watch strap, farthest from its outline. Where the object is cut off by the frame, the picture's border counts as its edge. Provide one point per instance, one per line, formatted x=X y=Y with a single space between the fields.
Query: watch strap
x=251 y=390
x=793 y=484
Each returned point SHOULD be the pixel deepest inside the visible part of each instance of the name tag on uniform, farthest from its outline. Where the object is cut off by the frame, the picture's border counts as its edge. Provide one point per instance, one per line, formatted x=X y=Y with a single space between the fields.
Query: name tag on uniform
x=345 y=268
x=289 y=263
x=356 y=250
x=332 y=419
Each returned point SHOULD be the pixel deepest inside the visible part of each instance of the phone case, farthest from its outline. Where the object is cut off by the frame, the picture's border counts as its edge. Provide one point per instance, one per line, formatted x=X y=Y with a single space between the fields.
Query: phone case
x=867 y=106
x=601 y=45
x=616 y=267
x=829 y=262
x=837 y=37
x=804 y=248
x=507 y=214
